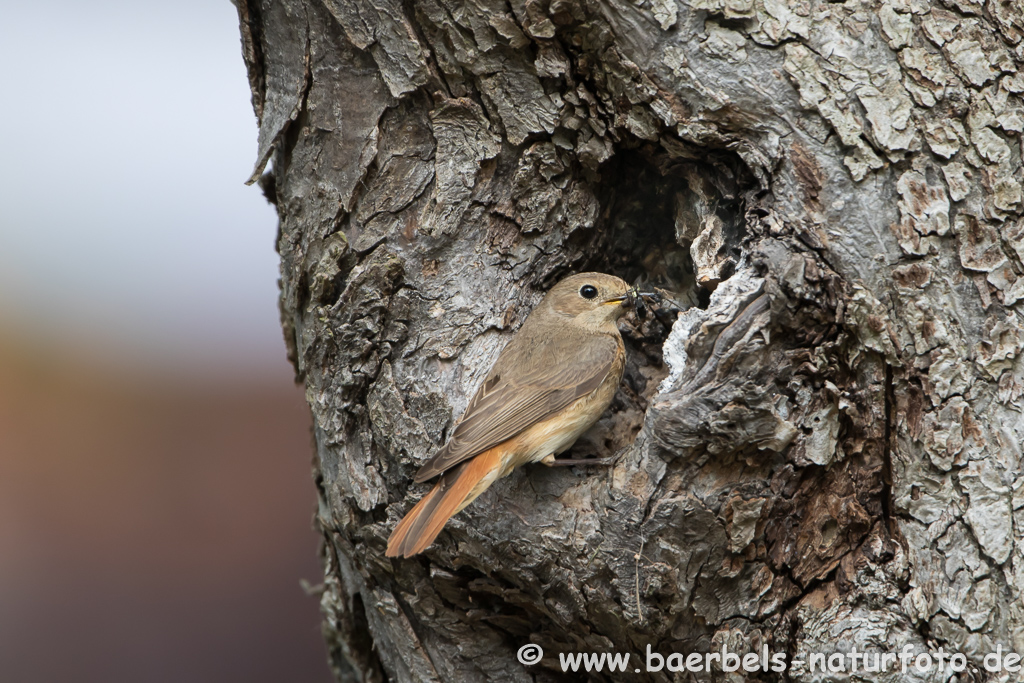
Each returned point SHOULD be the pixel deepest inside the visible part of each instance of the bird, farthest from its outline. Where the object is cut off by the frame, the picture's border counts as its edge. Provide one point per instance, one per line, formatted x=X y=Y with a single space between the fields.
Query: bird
x=551 y=382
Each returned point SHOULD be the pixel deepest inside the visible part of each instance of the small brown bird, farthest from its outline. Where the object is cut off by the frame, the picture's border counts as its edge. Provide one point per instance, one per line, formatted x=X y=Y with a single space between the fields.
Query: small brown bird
x=548 y=386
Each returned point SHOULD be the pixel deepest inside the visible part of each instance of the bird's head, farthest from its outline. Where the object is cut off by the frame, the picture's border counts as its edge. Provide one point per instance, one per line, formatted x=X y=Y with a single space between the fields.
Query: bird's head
x=591 y=300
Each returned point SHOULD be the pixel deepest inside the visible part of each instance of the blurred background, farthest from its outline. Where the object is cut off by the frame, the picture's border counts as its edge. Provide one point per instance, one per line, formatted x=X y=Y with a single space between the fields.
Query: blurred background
x=155 y=489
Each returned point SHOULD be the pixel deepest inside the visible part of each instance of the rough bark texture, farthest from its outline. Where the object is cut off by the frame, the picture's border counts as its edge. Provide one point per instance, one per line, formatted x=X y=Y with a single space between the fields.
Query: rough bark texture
x=821 y=453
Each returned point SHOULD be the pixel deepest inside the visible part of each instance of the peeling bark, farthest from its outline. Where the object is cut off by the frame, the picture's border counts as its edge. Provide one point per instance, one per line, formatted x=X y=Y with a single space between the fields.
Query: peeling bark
x=822 y=452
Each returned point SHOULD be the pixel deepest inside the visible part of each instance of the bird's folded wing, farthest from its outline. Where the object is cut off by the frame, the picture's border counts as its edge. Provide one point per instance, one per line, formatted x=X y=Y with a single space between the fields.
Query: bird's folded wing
x=512 y=399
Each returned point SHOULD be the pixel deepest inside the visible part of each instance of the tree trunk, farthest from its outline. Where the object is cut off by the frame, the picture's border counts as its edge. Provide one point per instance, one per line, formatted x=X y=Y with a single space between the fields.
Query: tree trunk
x=820 y=454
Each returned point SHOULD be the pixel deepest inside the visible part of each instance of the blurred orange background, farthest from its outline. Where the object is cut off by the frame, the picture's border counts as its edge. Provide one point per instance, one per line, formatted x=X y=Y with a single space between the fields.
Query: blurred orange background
x=153 y=530
x=156 y=501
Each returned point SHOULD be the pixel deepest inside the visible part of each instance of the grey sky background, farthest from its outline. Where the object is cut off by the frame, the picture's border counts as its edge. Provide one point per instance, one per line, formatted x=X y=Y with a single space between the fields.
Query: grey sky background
x=125 y=226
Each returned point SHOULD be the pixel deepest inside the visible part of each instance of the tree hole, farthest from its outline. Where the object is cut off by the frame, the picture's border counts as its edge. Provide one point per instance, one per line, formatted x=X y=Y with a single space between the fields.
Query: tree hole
x=671 y=221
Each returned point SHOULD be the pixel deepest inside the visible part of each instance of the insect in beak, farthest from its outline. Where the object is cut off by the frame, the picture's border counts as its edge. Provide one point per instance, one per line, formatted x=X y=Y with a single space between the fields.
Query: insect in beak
x=640 y=301
x=635 y=299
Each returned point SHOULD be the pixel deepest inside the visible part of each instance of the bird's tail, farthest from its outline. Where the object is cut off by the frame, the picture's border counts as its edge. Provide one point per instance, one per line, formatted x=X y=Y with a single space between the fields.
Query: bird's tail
x=457 y=488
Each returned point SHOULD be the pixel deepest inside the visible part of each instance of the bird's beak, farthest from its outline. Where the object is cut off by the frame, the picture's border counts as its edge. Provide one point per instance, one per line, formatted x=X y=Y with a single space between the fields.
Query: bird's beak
x=619 y=300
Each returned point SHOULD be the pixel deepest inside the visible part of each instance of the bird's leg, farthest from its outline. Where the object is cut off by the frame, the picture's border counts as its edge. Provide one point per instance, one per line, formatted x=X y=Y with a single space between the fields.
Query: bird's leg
x=551 y=461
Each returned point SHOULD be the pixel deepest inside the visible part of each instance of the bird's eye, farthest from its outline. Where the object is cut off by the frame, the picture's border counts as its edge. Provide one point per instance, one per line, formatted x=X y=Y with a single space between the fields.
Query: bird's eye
x=588 y=291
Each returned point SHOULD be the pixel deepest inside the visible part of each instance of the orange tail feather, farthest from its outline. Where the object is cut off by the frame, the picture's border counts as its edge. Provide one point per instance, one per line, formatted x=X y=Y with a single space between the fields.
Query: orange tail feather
x=457 y=488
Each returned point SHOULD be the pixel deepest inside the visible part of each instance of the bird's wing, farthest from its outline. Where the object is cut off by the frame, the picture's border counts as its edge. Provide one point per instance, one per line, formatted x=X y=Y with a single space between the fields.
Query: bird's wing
x=555 y=373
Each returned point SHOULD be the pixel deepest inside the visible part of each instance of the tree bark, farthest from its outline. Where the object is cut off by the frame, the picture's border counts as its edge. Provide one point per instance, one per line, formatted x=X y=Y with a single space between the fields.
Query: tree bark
x=821 y=453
